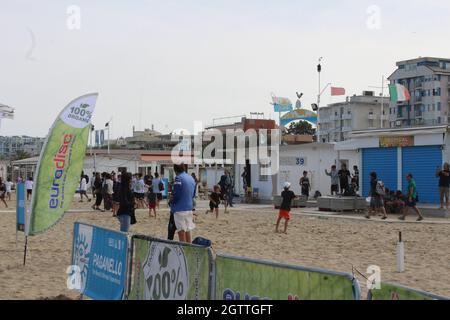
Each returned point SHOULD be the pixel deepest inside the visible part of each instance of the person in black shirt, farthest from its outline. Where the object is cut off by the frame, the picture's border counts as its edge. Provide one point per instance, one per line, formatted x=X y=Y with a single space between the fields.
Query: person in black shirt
x=305 y=184
x=444 y=184
x=344 y=175
x=126 y=203
x=285 y=208
x=214 y=201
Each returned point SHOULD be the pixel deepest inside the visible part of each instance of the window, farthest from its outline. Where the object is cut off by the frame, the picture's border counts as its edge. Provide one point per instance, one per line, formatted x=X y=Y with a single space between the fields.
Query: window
x=438 y=106
x=439 y=120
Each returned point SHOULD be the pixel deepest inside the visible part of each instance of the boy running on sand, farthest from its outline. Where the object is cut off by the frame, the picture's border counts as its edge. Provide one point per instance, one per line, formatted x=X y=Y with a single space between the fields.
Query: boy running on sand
x=214 y=201
x=285 y=208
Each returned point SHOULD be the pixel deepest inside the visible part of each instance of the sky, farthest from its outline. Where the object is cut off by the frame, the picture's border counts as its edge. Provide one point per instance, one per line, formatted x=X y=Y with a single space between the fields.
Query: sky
x=170 y=63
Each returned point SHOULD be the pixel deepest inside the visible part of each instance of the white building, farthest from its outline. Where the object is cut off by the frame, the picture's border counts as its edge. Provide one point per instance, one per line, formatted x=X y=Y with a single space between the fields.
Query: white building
x=363 y=112
x=314 y=158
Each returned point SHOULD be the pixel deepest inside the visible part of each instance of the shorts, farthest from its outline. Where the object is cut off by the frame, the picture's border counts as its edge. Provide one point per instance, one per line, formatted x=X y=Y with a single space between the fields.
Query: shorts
x=152 y=205
x=445 y=191
x=139 y=196
x=29 y=191
x=334 y=188
x=83 y=192
x=184 y=221
x=213 y=205
x=411 y=203
x=284 y=214
x=159 y=196
x=376 y=202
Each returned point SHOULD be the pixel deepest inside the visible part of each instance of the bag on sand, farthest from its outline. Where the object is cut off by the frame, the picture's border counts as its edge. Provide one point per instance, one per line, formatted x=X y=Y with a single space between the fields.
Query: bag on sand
x=380 y=188
x=202 y=242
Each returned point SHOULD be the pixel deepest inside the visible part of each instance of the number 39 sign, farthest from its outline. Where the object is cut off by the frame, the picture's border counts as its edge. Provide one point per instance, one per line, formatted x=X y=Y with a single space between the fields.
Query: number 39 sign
x=300 y=161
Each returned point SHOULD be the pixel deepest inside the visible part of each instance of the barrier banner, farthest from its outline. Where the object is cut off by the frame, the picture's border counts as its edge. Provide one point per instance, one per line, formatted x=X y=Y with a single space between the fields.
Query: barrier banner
x=390 y=291
x=247 y=279
x=99 y=260
x=60 y=164
x=165 y=270
x=20 y=207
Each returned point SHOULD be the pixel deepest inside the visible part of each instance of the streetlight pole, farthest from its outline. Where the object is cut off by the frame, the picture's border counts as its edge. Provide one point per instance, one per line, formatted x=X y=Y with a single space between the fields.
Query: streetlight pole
x=319 y=71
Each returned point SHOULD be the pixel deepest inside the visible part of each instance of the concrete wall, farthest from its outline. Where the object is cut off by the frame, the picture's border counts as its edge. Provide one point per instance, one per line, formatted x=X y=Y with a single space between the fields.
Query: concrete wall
x=317 y=159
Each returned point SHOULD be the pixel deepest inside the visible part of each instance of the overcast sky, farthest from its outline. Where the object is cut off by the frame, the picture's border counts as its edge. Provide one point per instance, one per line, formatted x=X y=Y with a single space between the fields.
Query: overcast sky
x=169 y=63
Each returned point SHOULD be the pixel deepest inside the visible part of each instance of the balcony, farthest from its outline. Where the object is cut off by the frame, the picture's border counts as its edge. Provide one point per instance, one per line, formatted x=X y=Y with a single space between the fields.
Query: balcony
x=372 y=116
x=418 y=99
x=346 y=129
x=418 y=114
x=346 y=117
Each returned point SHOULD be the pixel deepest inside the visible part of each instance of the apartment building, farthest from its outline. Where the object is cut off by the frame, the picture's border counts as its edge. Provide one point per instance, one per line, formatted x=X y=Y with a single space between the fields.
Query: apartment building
x=428 y=81
x=10 y=146
x=362 y=112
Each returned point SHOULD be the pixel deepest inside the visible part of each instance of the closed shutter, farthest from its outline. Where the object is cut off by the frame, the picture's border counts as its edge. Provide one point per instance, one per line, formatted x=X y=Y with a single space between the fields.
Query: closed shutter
x=383 y=161
x=422 y=162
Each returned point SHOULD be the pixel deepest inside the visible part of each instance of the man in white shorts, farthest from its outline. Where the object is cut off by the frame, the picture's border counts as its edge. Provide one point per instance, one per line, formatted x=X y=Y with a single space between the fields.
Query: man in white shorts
x=183 y=192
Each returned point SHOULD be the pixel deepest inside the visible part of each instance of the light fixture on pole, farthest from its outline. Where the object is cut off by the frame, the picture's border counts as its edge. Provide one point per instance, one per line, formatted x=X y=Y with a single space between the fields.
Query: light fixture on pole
x=108 y=127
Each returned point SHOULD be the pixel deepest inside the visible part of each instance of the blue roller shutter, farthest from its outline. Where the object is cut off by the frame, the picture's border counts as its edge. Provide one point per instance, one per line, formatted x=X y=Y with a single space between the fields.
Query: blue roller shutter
x=422 y=163
x=383 y=161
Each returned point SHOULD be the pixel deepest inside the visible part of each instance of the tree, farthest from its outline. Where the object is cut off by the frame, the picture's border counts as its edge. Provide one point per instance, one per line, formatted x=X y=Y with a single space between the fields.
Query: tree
x=301 y=128
x=20 y=154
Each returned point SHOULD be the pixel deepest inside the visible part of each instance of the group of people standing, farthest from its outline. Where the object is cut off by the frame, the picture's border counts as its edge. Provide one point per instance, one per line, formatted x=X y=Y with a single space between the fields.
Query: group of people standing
x=6 y=188
x=344 y=179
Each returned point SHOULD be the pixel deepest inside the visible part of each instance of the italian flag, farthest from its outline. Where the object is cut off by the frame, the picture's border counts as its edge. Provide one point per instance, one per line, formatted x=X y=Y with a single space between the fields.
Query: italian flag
x=399 y=93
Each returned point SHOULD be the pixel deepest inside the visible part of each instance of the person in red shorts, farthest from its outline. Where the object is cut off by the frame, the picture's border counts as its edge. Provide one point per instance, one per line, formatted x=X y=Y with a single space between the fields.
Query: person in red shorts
x=285 y=208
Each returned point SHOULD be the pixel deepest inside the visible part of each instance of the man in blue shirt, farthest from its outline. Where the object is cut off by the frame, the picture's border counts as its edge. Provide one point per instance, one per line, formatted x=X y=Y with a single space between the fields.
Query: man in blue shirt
x=182 y=203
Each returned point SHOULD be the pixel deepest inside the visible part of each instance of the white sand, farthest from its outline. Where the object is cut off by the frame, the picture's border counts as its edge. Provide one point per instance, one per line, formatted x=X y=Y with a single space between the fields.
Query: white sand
x=335 y=244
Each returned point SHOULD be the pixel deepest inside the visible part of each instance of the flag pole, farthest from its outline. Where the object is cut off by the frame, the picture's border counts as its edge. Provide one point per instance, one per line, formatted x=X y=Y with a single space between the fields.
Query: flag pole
x=382 y=102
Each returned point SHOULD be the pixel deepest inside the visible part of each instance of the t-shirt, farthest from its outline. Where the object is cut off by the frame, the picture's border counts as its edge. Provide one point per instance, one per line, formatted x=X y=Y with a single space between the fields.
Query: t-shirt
x=83 y=184
x=183 y=192
x=334 y=177
x=215 y=196
x=304 y=182
x=139 y=186
x=152 y=198
x=109 y=186
x=155 y=185
x=287 y=196
x=373 y=187
x=343 y=176
x=444 y=178
x=8 y=185
x=412 y=184
x=29 y=185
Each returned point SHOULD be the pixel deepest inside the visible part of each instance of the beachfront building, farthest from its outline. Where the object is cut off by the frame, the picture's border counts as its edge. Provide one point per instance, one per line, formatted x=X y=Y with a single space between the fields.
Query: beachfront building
x=362 y=112
x=261 y=186
x=394 y=153
x=428 y=81
x=314 y=158
x=148 y=139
